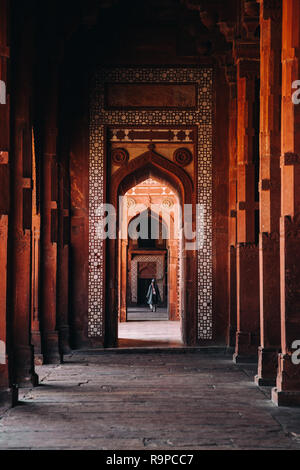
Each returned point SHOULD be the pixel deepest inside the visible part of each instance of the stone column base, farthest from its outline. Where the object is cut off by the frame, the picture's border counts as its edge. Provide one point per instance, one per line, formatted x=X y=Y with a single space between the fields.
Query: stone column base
x=23 y=368
x=78 y=338
x=232 y=337
x=8 y=399
x=263 y=382
x=51 y=352
x=287 y=391
x=285 y=398
x=246 y=348
x=240 y=359
x=27 y=381
x=267 y=367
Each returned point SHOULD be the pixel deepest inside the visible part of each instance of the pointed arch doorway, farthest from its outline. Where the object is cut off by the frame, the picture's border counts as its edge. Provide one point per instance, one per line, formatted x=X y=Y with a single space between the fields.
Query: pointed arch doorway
x=150 y=249
x=173 y=130
x=150 y=165
x=149 y=245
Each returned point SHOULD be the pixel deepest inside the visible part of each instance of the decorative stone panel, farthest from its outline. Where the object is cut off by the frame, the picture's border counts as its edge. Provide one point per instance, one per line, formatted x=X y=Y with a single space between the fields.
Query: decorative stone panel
x=201 y=117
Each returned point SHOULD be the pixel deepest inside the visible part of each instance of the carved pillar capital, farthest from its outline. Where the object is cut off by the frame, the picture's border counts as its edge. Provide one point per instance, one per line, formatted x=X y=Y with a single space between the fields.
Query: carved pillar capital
x=228 y=29
x=248 y=54
x=271 y=10
x=289 y=159
x=250 y=18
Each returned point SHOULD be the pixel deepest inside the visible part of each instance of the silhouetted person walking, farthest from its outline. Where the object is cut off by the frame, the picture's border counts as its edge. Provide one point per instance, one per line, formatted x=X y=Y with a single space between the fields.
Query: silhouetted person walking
x=153 y=295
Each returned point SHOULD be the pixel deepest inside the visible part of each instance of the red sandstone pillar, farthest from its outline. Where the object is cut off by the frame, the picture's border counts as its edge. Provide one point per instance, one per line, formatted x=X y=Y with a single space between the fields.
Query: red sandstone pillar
x=20 y=235
x=287 y=391
x=79 y=255
x=270 y=140
x=49 y=253
x=5 y=391
x=172 y=279
x=123 y=279
x=49 y=226
x=63 y=252
x=78 y=135
x=232 y=224
x=35 y=266
x=188 y=315
x=79 y=246
x=247 y=338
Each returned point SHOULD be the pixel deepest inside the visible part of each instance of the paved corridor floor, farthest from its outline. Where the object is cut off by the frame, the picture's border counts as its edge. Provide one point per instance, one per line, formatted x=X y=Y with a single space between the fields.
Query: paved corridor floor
x=145 y=314
x=147 y=334
x=171 y=401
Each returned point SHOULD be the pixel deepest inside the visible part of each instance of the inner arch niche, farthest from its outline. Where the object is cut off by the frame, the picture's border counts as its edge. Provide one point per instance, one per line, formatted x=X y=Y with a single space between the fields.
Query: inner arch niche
x=123 y=128
x=151 y=165
x=155 y=204
x=144 y=256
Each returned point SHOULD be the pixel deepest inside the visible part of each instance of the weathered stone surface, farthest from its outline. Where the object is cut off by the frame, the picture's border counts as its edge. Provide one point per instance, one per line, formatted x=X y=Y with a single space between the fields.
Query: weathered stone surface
x=148 y=401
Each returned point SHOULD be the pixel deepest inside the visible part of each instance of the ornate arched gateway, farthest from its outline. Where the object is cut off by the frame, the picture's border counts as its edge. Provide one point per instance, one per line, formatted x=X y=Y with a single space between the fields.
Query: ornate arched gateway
x=151 y=252
x=134 y=136
x=152 y=165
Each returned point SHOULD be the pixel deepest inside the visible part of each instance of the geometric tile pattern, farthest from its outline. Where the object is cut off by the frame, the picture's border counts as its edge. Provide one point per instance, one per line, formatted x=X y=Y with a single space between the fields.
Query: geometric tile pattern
x=200 y=117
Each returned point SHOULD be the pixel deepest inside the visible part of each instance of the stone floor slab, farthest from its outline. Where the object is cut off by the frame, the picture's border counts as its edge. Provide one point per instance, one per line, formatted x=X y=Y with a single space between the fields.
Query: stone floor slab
x=148 y=401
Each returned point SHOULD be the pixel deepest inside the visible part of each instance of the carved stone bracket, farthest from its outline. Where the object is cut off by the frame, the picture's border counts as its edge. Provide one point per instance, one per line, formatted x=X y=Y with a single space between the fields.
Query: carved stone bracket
x=292 y=226
x=228 y=29
x=272 y=10
x=270 y=241
x=289 y=159
x=248 y=68
x=248 y=250
x=250 y=18
x=265 y=185
x=268 y=185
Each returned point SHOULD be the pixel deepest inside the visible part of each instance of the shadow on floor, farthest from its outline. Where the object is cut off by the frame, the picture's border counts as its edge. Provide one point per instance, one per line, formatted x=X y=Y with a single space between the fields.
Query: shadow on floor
x=138 y=343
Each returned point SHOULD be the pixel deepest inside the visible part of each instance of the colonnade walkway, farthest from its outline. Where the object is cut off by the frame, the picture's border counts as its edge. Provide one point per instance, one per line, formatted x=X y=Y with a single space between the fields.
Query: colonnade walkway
x=171 y=400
